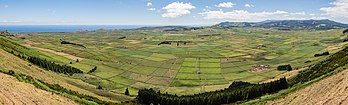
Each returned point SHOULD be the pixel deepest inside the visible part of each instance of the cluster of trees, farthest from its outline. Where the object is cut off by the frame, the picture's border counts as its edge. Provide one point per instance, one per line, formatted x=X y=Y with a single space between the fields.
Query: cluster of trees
x=345 y=31
x=322 y=54
x=93 y=70
x=284 y=67
x=52 y=66
x=66 y=42
x=170 y=42
x=165 y=42
x=123 y=37
x=237 y=91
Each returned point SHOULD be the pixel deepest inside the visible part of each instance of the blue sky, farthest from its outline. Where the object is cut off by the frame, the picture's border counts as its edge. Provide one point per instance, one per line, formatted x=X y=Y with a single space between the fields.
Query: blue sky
x=165 y=12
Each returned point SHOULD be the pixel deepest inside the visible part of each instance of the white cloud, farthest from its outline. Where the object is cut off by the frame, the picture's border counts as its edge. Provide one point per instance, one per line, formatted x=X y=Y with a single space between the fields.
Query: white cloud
x=6 y=6
x=225 y=5
x=149 y=4
x=339 y=8
x=299 y=13
x=243 y=15
x=249 y=5
x=177 y=9
x=6 y=21
x=152 y=9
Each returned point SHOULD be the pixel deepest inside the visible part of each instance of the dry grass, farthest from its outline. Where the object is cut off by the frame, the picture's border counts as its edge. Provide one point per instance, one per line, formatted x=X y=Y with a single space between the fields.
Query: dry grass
x=69 y=56
x=13 y=92
x=330 y=91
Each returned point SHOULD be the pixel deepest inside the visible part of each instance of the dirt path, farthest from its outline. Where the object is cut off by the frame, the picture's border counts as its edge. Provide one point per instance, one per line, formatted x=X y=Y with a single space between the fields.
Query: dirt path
x=332 y=90
x=13 y=92
x=72 y=57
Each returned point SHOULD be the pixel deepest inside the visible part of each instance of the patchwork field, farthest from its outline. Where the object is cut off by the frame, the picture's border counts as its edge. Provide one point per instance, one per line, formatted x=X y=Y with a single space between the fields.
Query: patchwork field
x=190 y=62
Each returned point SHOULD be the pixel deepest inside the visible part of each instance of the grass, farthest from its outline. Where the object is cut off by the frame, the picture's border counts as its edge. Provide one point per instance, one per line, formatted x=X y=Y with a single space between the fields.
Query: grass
x=220 y=59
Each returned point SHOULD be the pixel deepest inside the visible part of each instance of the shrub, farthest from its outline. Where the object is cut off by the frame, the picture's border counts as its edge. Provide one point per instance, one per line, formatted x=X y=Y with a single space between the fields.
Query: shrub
x=322 y=54
x=284 y=67
x=127 y=92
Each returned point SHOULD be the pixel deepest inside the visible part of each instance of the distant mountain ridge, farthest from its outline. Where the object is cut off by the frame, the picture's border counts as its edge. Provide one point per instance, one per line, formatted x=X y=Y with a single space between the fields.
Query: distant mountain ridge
x=287 y=24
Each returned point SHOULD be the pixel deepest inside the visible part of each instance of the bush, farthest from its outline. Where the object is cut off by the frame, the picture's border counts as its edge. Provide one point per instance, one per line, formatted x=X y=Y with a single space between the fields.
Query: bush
x=345 y=31
x=127 y=92
x=284 y=67
x=322 y=54
x=93 y=70
x=99 y=87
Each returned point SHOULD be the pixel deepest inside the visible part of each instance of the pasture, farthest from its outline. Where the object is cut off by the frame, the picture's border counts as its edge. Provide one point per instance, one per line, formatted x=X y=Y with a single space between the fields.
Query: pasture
x=212 y=59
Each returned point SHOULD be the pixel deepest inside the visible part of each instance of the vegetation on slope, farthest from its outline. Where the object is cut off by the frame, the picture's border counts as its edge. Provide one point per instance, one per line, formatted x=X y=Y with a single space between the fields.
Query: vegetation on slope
x=237 y=91
x=15 y=92
x=336 y=60
x=53 y=66
x=84 y=99
x=24 y=54
x=339 y=59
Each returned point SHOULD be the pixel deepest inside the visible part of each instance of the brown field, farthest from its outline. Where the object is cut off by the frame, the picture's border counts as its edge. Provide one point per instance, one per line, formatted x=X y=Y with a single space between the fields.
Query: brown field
x=14 y=92
x=69 y=56
x=332 y=90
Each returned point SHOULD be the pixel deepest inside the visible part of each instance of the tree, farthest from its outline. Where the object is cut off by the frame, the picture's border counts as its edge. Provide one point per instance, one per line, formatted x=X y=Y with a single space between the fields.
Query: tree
x=322 y=54
x=127 y=92
x=99 y=87
x=284 y=67
x=91 y=71
x=345 y=31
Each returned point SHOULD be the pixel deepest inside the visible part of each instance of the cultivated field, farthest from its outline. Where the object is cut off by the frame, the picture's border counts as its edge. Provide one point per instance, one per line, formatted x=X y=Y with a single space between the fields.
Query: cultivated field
x=195 y=61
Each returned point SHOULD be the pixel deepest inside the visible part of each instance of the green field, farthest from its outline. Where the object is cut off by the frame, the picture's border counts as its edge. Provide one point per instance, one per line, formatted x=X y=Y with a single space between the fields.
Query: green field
x=139 y=62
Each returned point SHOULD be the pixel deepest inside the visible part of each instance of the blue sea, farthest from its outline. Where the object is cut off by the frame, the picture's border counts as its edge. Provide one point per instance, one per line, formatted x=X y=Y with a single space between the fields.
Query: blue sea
x=62 y=28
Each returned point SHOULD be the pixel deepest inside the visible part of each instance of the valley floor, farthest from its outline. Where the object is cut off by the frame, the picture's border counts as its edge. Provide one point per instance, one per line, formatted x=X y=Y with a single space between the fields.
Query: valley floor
x=14 y=92
x=332 y=90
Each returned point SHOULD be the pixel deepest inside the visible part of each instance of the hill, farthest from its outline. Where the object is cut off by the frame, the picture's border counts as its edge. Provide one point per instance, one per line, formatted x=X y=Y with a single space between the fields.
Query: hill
x=332 y=91
x=14 y=92
x=11 y=62
x=287 y=24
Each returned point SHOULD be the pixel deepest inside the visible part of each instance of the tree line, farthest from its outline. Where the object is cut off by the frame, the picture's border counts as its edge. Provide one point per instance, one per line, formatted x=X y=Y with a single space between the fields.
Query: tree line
x=237 y=91
x=48 y=65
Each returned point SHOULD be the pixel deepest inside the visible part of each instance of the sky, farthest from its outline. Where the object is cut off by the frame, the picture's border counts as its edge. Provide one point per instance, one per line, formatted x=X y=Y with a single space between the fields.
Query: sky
x=166 y=12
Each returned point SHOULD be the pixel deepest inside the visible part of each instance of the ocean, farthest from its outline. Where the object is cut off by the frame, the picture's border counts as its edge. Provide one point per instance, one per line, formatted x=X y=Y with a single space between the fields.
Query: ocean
x=62 y=28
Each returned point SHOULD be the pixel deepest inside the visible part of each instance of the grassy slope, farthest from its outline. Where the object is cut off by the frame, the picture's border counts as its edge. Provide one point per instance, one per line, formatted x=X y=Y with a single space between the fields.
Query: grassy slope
x=13 y=91
x=332 y=90
x=11 y=62
x=321 y=90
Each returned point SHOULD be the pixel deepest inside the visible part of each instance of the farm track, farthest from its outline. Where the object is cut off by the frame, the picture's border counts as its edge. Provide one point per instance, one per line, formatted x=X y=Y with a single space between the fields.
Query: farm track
x=332 y=90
